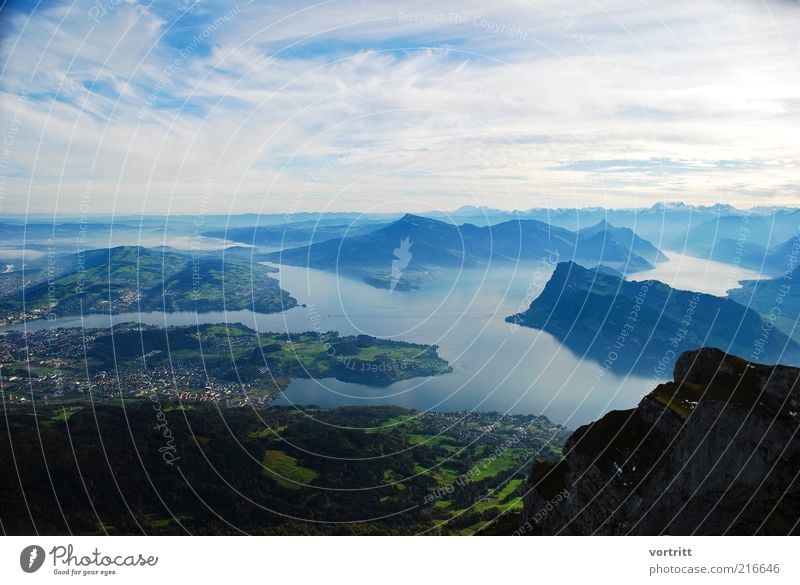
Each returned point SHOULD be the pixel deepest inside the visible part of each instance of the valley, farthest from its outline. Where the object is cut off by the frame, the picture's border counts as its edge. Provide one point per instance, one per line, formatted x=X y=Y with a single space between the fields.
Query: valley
x=404 y=375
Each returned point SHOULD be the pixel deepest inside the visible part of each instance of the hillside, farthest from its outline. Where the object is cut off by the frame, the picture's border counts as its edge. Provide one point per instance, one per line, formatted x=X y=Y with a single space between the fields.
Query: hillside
x=642 y=326
x=620 y=239
x=715 y=451
x=777 y=298
x=351 y=470
x=131 y=278
x=297 y=234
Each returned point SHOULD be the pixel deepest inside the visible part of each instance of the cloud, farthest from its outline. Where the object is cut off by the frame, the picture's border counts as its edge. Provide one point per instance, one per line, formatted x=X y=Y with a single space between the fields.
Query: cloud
x=352 y=103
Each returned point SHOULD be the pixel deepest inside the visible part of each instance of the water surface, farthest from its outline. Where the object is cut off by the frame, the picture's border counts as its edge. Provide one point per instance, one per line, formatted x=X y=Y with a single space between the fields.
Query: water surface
x=697 y=274
x=496 y=367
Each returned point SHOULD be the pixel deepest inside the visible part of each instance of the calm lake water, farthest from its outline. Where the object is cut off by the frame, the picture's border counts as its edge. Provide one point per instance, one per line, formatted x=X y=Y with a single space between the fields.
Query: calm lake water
x=496 y=367
x=697 y=274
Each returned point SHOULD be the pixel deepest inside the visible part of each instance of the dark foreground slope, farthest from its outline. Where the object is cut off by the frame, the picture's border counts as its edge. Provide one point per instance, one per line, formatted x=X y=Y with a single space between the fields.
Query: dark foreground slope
x=716 y=451
x=159 y=468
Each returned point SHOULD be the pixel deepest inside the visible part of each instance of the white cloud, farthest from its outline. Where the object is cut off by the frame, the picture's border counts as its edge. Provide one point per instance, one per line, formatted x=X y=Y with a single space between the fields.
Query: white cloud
x=353 y=103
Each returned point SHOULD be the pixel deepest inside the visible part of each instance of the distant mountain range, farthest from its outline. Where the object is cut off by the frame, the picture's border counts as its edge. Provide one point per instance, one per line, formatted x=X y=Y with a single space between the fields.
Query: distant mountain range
x=696 y=229
x=131 y=278
x=660 y=223
x=642 y=326
x=286 y=235
x=709 y=231
x=427 y=247
x=758 y=242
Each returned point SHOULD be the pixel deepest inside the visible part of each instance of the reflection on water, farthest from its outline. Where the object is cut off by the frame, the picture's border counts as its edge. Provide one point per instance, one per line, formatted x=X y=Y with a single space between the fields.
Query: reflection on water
x=495 y=367
x=697 y=274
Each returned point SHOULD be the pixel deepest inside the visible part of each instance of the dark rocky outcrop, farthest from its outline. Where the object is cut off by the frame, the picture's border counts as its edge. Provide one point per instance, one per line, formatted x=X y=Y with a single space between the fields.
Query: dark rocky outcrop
x=716 y=451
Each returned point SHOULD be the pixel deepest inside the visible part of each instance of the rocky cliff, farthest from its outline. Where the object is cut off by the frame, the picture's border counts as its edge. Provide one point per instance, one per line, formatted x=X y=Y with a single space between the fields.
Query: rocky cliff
x=716 y=451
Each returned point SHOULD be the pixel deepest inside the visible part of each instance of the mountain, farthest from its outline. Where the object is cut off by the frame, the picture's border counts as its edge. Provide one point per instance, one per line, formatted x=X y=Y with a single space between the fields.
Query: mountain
x=622 y=240
x=641 y=326
x=413 y=250
x=290 y=234
x=715 y=451
x=774 y=228
x=776 y=299
x=741 y=239
x=476 y=215
x=752 y=255
x=661 y=224
x=748 y=254
x=131 y=278
x=787 y=252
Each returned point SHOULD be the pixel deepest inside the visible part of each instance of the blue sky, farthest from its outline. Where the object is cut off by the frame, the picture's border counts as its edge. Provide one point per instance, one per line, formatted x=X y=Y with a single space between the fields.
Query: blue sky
x=160 y=107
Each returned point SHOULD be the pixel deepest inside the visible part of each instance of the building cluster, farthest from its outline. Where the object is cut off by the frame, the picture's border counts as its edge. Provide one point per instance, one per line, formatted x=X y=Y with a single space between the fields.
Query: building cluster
x=53 y=365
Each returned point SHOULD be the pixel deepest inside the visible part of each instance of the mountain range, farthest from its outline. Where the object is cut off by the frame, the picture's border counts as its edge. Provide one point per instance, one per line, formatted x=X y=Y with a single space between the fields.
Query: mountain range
x=297 y=234
x=757 y=242
x=427 y=247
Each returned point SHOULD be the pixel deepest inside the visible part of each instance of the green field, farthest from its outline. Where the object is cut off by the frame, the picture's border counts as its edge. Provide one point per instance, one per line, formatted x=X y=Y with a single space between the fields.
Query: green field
x=285 y=470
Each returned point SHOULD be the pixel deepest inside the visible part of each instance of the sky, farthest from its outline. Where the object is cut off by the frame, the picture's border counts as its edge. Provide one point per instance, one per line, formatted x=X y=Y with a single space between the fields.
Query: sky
x=120 y=106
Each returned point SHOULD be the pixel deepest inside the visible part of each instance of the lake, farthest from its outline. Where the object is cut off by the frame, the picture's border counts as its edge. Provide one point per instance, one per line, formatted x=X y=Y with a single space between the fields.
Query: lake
x=496 y=367
x=697 y=274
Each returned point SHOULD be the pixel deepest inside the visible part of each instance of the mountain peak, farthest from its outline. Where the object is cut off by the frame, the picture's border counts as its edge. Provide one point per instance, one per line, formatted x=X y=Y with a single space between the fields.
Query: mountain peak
x=417 y=220
x=571 y=269
x=414 y=217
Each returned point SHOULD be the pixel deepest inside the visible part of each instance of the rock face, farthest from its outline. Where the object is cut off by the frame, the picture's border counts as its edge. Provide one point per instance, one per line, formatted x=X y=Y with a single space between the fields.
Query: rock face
x=716 y=451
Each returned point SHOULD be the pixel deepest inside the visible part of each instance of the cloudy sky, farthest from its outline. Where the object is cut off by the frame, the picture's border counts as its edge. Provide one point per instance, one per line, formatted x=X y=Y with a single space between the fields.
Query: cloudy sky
x=383 y=106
